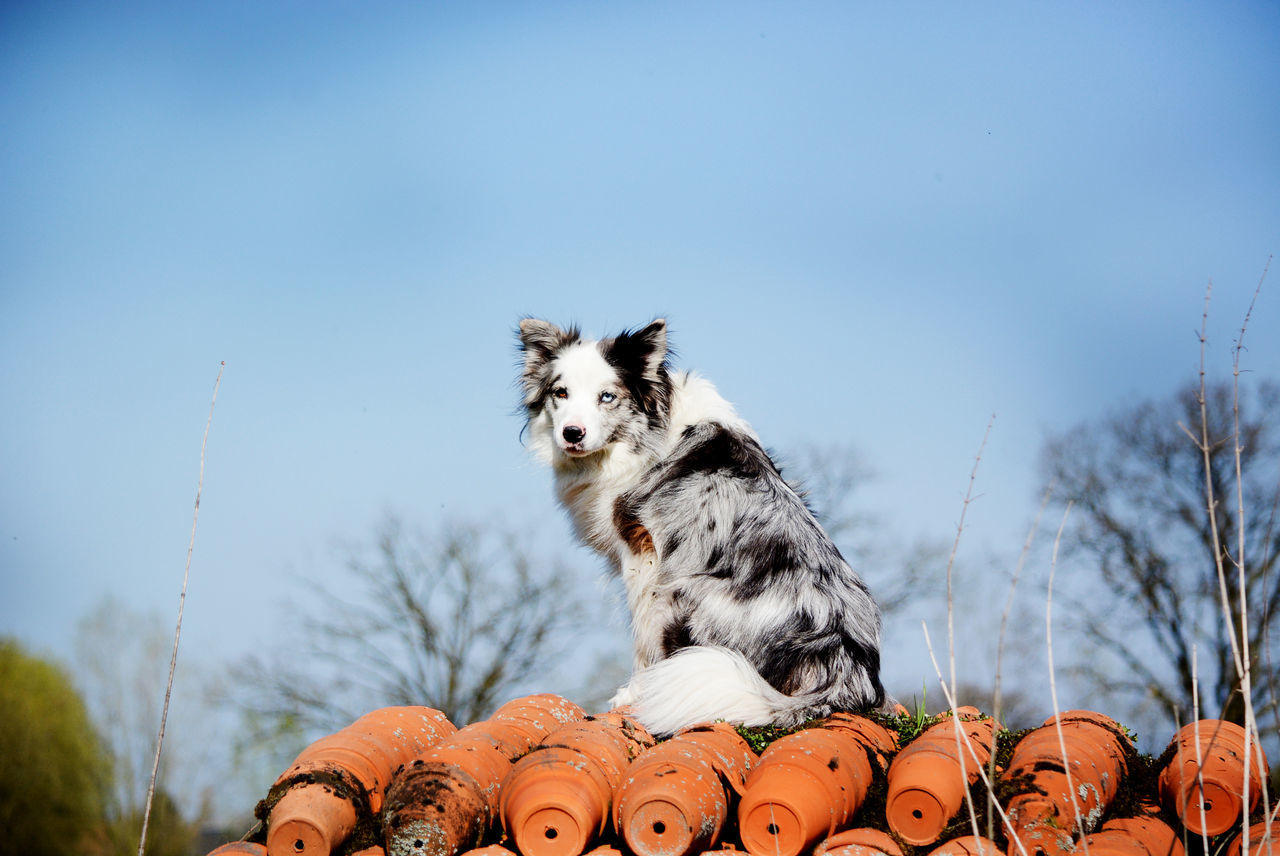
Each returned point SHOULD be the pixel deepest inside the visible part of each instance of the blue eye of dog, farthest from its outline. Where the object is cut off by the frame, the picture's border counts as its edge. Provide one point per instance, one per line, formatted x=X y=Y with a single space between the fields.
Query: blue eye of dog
x=607 y=397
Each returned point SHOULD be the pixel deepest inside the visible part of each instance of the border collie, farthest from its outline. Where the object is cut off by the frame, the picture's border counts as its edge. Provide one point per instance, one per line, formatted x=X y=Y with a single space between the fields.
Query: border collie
x=742 y=608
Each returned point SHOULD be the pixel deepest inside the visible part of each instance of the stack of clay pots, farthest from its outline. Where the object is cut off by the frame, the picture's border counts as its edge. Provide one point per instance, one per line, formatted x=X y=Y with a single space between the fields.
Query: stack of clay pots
x=446 y=799
x=540 y=778
x=1061 y=800
x=676 y=797
x=557 y=800
x=810 y=784
x=1204 y=782
x=929 y=779
x=322 y=792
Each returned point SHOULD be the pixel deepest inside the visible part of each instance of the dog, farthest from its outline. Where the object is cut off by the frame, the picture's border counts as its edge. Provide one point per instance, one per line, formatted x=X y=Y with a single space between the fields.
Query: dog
x=742 y=609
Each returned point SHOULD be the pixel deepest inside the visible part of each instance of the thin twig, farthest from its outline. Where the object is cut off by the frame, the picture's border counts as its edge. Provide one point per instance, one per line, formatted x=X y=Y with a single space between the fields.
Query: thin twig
x=1053 y=683
x=177 y=633
x=1195 y=714
x=955 y=546
x=996 y=698
x=1246 y=677
x=964 y=745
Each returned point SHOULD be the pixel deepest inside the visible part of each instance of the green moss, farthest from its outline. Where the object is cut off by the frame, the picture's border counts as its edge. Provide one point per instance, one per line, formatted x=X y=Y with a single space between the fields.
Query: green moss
x=760 y=737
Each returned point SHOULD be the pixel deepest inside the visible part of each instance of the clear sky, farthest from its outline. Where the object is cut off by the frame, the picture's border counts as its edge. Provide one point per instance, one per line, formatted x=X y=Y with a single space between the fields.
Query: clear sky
x=869 y=224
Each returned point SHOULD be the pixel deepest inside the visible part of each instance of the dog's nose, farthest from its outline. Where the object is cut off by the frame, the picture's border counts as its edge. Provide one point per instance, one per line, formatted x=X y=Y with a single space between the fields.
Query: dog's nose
x=574 y=433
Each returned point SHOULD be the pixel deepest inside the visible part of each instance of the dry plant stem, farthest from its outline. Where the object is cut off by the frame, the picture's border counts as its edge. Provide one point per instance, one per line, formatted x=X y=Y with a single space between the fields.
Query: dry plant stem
x=1053 y=683
x=951 y=631
x=1246 y=678
x=951 y=559
x=1195 y=713
x=1239 y=646
x=1004 y=623
x=177 y=633
x=965 y=745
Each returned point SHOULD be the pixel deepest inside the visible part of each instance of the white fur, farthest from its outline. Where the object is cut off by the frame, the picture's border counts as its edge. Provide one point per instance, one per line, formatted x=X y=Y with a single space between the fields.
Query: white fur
x=702 y=684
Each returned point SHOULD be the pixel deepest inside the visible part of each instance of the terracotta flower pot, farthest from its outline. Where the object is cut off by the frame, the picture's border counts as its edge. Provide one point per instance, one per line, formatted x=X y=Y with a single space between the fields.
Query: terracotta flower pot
x=1045 y=814
x=675 y=797
x=969 y=845
x=536 y=716
x=491 y=850
x=928 y=779
x=240 y=848
x=318 y=806
x=604 y=850
x=444 y=801
x=558 y=799
x=1209 y=796
x=880 y=741
x=1262 y=842
x=375 y=850
x=1134 y=836
x=858 y=842
x=310 y=819
x=807 y=785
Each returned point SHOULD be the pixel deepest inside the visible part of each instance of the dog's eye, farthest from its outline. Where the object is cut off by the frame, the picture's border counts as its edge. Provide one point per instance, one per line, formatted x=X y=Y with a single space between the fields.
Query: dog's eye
x=559 y=392
x=607 y=398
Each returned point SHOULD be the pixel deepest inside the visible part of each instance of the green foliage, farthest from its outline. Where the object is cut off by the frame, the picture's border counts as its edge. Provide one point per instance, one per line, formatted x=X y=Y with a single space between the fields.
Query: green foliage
x=168 y=833
x=911 y=724
x=759 y=737
x=54 y=772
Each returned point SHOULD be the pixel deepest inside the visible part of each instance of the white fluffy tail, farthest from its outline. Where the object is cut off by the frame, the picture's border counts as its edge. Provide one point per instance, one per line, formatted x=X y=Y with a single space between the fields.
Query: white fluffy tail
x=703 y=684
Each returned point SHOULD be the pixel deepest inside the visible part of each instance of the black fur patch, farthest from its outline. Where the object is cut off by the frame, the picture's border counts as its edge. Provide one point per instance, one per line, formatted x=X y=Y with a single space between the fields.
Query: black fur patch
x=675 y=636
x=640 y=356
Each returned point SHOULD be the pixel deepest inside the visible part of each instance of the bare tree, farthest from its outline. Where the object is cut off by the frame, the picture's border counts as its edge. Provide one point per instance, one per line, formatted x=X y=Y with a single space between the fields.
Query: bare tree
x=831 y=478
x=457 y=619
x=1140 y=520
x=121 y=660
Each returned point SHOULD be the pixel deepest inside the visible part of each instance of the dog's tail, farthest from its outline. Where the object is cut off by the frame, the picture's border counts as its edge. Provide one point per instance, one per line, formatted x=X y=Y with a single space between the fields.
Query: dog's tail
x=706 y=683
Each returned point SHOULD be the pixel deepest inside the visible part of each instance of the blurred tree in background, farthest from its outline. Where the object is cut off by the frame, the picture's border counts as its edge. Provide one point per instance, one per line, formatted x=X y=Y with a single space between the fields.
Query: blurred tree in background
x=1140 y=523
x=830 y=478
x=53 y=769
x=122 y=660
x=456 y=619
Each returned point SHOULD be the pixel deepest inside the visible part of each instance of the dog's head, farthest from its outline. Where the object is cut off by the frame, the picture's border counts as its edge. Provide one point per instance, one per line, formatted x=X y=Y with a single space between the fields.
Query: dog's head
x=580 y=395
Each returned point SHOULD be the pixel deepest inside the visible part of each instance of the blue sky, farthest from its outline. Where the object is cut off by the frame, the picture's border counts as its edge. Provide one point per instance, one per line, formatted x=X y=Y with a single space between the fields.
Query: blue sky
x=870 y=224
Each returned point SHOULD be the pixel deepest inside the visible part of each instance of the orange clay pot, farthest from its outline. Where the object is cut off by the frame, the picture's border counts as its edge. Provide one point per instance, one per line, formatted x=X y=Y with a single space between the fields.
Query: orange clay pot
x=444 y=801
x=859 y=842
x=315 y=815
x=1134 y=836
x=491 y=850
x=375 y=850
x=674 y=799
x=928 y=779
x=969 y=845
x=604 y=850
x=1208 y=796
x=240 y=848
x=880 y=741
x=808 y=785
x=557 y=799
x=1044 y=814
x=1260 y=842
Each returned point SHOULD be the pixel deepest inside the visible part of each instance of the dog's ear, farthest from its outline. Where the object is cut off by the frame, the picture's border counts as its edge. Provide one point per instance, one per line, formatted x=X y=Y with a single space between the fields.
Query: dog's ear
x=539 y=338
x=643 y=351
x=539 y=341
